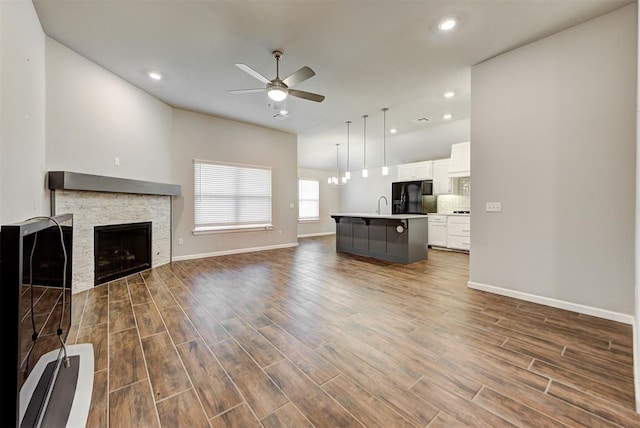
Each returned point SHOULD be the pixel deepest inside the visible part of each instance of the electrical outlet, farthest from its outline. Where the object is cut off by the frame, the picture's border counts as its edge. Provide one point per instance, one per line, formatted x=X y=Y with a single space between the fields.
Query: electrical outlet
x=494 y=207
x=280 y=232
x=180 y=241
x=292 y=205
x=116 y=161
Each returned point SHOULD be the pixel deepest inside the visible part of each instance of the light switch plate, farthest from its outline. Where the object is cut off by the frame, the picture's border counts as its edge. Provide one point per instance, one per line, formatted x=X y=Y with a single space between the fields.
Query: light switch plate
x=494 y=207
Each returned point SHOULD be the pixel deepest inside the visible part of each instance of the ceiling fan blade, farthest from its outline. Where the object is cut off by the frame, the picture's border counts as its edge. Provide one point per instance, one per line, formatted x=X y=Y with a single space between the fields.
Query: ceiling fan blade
x=246 y=91
x=251 y=72
x=306 y=95
x=299 y=76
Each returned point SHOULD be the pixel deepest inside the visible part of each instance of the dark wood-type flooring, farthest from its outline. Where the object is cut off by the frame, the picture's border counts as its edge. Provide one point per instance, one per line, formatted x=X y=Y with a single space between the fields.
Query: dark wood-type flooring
x=309 y=337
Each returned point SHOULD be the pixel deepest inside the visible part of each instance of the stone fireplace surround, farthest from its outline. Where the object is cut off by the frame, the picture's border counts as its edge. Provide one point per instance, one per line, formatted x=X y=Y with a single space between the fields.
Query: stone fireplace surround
x=98 y=201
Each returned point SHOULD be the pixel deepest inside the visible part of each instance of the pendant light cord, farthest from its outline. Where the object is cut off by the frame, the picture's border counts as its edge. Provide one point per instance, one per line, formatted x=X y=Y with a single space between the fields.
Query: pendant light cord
x=337 y=162
x=384 y=136
x=348 y=124
x=364 y=118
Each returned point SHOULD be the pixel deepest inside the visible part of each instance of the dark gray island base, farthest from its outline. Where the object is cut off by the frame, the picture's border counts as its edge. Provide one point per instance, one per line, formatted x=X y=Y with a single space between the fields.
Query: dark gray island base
x=396 y=238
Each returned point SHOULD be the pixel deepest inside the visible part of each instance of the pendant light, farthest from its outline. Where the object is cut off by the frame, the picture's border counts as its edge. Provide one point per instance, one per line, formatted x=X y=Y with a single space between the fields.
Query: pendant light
x=347 y=174
x=385 y=168
x=365 y=172
x=337 y=180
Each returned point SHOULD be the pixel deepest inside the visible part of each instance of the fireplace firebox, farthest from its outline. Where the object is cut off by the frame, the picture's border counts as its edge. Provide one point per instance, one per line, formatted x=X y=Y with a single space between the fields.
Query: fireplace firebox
x=120 y=250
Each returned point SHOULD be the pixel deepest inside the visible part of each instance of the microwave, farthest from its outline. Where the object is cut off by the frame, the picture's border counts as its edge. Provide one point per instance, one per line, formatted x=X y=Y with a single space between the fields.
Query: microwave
x=427 y=187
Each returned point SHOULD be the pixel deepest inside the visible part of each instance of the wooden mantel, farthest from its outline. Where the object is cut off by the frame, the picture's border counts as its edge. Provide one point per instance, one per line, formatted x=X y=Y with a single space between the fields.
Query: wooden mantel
x=66 y=180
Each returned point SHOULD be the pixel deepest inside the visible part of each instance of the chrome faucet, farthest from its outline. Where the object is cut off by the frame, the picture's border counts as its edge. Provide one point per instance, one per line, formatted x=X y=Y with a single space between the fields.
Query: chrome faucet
x=385 y=201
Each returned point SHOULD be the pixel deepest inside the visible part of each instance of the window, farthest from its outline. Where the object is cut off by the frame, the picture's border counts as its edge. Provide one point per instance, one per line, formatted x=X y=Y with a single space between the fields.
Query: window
x=231 y=197
x=308 y=200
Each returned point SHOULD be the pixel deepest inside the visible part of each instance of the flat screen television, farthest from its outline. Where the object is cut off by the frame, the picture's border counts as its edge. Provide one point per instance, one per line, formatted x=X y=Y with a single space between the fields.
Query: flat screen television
x=40 y=373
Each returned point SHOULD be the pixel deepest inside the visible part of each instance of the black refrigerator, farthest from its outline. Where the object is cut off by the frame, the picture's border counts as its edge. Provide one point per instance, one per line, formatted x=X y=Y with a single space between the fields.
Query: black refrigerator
x=408 y=197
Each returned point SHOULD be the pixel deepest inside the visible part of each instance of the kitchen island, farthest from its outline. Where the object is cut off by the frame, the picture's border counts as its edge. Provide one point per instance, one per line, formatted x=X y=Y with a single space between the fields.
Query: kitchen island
x=400 y=238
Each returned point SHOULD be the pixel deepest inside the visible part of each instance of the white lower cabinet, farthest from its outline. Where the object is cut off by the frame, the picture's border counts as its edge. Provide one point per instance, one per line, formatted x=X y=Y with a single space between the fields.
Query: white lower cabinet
x=437 y=234
x=459 y=232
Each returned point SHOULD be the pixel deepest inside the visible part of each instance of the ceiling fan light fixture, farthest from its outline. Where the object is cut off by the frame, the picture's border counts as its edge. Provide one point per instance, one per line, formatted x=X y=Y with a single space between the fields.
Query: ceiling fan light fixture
x=277 y=93
x=447 y=24
x=279 y=89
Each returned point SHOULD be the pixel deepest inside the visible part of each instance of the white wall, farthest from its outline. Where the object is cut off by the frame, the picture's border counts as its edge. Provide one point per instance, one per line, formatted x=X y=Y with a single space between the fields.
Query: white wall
x=553 y=139
x=430 y=143
x=22 y=113
x=360 y=195
x=94 y=116
x=636 y=330
x=206 y=137
x=329 y=203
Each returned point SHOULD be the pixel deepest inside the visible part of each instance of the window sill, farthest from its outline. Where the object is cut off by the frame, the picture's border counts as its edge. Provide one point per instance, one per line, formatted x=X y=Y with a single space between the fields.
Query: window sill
x=231 y=229
x=312 y=220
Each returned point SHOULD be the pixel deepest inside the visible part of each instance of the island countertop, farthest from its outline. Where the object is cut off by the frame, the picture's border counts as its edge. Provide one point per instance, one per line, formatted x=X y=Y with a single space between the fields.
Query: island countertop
x=374 y=215
x=400 y=238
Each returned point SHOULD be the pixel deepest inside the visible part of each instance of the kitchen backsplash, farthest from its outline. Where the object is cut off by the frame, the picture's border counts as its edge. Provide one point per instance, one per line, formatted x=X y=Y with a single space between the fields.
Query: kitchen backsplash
x=459 y=200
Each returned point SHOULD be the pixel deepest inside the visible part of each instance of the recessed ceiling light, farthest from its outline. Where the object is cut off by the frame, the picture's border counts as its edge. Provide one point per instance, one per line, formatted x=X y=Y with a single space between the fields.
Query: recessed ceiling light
x=449 y=94
x=155 y=75
x=393 y=130
x=447 y=116
x=447 y=24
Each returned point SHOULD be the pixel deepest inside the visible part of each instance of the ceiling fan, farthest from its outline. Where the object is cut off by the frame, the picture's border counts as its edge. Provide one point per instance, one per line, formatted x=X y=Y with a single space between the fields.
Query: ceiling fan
x=278 y=89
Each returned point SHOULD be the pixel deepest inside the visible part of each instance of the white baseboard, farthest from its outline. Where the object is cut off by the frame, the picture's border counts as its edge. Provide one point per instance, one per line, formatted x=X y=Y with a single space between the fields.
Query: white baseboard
x=309 y=235
x=229 y=252
x=560 y=304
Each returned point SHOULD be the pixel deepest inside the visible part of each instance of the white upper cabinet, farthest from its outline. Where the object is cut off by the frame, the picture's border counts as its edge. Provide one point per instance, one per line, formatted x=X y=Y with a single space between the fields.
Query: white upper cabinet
x=460 y=165
x=415 y=171
x=441 y=181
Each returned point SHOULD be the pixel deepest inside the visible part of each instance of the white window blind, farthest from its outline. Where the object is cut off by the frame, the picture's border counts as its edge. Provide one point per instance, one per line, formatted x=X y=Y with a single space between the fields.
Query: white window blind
x=231 y=196
x=308 y=200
